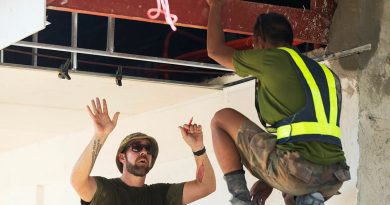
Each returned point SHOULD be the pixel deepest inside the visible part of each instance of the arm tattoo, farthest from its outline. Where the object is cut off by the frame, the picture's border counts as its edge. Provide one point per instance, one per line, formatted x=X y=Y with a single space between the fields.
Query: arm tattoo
x=95 y=151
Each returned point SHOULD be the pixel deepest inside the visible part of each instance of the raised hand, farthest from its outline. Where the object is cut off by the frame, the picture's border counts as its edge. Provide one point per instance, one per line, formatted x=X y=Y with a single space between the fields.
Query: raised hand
x=102 y=121
x=193 y=136
x=260 y=191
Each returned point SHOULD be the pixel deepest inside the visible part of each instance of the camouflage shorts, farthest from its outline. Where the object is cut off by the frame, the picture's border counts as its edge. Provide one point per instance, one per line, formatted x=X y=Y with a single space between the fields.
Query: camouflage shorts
x=286 y=171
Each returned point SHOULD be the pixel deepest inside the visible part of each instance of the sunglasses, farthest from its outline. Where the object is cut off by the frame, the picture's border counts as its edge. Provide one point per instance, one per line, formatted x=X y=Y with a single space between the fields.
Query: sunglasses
x=138 y=147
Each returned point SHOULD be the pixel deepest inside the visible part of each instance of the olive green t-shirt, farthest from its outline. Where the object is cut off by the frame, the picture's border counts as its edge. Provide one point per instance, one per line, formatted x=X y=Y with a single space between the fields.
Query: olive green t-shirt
x=116 y=192
x=280 y=95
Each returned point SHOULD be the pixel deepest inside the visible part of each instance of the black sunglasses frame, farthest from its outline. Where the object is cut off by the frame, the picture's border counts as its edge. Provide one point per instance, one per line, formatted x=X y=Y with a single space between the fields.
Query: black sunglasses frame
x=137 y=147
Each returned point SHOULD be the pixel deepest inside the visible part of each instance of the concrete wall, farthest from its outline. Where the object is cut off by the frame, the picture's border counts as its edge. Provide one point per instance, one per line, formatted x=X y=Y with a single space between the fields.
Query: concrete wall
x=374 y=117
x=39 y=174
x=357 y=23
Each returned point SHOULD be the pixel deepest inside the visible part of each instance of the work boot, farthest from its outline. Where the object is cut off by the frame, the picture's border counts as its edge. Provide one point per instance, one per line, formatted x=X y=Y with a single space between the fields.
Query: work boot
x=314 y=198
x=237 y=187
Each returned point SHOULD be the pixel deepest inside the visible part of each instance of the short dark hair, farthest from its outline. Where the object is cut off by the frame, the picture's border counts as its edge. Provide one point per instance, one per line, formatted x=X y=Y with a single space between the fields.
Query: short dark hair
x=274 y=28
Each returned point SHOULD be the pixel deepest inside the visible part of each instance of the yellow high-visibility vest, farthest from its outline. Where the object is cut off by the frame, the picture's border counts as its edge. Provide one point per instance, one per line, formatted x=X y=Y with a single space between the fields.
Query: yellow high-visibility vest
x=322 y=126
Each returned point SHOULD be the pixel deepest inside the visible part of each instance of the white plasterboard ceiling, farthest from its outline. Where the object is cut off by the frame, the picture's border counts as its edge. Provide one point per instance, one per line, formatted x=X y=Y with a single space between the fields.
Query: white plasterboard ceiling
x=37 y=105
x=25 y=17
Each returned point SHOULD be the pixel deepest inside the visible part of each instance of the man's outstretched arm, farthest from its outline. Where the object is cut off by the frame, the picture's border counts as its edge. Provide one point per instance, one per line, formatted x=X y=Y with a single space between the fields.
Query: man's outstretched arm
x=204 y=184
x=82 y=182
x=216 y=48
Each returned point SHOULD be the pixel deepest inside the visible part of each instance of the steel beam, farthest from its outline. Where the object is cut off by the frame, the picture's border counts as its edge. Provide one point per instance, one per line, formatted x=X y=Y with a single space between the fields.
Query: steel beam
x=238 y=16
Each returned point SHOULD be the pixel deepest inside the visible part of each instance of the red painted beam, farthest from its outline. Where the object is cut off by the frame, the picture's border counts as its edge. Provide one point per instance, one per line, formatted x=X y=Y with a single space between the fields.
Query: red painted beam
x=324 y=7
x=238 y=16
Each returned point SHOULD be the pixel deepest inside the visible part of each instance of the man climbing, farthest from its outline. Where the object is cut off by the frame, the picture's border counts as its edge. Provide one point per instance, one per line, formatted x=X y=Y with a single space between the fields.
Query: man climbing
x=300 y=100
x=135 y=157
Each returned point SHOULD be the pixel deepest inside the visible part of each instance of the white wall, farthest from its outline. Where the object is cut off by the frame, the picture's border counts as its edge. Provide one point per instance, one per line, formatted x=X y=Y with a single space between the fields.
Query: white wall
x=39 y=174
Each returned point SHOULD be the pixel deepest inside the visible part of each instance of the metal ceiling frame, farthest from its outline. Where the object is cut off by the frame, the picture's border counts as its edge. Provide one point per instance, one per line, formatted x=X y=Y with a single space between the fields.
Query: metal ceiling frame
x=320 y=59
x=109 y=52
x=74 y=50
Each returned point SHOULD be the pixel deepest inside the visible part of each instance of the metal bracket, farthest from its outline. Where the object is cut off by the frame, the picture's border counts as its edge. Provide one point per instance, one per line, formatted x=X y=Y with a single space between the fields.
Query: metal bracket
x=64 y=70
x=118 y=76
x=344 y=53
x=110 y=34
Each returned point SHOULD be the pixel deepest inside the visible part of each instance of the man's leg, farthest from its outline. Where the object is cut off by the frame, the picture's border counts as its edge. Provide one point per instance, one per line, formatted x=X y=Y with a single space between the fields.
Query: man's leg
x=225 y=126
x=224 y=129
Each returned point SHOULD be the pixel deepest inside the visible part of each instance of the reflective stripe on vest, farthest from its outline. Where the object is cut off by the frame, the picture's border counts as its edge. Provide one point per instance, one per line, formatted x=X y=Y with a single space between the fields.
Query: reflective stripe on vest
x=322 y=126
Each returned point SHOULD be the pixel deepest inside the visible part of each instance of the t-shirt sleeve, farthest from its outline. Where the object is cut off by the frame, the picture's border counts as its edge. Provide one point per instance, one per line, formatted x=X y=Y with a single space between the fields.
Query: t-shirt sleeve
x=101 y=190
x=175 y=194
x=82 y=202
x=259 y=63
x=248 y=62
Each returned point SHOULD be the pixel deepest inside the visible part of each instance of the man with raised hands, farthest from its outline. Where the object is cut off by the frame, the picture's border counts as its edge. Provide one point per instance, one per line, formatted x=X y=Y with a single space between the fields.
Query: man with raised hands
x=135 y=157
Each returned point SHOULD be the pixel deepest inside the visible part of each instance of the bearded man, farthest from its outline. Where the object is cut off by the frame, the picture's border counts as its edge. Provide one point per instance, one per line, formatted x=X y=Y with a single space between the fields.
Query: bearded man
x=135 y=157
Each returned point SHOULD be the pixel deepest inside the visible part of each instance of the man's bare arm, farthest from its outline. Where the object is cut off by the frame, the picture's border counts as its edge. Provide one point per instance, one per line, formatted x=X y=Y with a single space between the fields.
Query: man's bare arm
x=204 y=183
x=82 y=182
x=216 y=48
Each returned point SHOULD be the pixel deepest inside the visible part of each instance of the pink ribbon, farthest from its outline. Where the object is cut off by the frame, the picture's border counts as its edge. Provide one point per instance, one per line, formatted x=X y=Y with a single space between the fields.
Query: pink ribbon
x=171 y=19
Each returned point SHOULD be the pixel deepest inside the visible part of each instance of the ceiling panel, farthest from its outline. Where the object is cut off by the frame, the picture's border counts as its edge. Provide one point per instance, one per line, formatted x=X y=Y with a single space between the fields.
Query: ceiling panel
x=21 y=18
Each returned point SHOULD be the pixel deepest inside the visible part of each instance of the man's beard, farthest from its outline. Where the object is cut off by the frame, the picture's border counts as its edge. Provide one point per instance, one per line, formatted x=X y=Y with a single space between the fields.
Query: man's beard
x=136 y=170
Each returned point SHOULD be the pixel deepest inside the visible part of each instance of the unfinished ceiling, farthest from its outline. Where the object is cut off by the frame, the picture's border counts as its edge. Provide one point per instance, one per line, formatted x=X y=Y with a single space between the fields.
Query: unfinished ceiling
x=176 y=56
x=98 y=52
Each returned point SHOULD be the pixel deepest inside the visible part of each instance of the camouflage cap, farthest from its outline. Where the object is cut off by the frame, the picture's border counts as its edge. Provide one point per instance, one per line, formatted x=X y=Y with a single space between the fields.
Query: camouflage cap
x=132 y=137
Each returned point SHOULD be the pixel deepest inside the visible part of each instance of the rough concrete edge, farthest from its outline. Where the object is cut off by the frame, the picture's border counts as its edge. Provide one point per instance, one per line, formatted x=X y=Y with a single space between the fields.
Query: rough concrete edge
x=371 y=77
